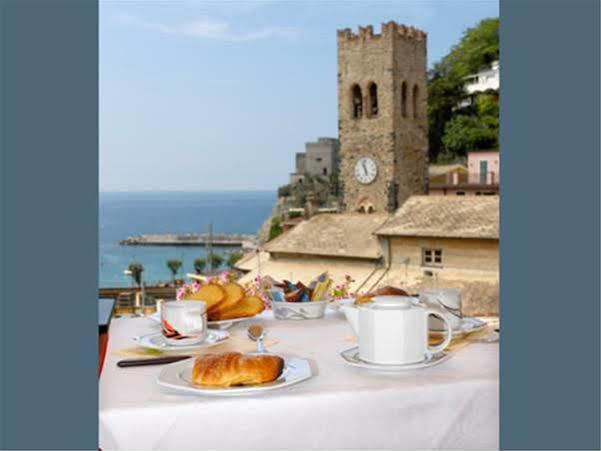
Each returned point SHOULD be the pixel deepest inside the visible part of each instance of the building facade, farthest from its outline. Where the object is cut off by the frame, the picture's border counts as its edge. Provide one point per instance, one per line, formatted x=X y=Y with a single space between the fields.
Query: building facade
x=382 y=116
x=319 y=159
x=481 y=176
x=484 y=166
x=485 y=81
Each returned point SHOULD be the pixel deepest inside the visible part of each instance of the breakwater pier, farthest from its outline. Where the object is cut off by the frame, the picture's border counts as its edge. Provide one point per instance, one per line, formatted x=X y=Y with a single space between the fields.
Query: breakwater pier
x=190 y=239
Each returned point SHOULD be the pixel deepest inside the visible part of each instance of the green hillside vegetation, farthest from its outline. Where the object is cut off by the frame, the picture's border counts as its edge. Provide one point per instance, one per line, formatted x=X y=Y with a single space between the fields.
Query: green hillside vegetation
x=452 y=132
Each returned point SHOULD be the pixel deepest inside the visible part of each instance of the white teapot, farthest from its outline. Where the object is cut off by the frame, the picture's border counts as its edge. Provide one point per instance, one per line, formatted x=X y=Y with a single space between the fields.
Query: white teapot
x=394 y=329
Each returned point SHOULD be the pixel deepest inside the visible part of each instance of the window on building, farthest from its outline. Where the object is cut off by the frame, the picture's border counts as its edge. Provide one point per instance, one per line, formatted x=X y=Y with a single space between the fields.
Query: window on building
x=325 y=171
x=415 y=99
x=431 y=257
x=373 y=99
x=460 y=193
x=357 y=102
x=318 y=159
x=404 y=99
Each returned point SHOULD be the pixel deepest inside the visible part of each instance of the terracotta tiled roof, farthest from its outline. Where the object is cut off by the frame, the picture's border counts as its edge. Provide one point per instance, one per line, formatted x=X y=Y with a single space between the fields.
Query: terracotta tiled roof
x=247 y=262
x=337 y=235
x=437 y=170
x=445 y=216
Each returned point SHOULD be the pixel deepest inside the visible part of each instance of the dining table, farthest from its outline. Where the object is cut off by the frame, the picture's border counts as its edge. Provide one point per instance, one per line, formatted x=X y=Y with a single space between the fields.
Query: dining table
x=452 y=405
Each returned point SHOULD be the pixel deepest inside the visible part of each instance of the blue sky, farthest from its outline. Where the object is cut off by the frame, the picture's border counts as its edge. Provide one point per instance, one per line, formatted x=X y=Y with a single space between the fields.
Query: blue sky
x=198 y=95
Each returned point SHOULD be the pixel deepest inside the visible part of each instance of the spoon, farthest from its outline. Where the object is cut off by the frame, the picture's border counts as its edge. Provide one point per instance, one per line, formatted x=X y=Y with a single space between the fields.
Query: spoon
x=256 y=332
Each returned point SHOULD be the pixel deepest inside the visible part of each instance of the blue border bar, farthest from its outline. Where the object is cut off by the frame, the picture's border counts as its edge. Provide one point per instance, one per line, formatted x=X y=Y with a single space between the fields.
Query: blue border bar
x=49 y=253
x=550 y=224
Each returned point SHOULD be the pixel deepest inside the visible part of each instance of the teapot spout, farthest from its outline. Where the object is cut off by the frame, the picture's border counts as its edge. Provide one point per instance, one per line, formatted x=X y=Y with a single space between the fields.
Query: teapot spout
x=352 y=316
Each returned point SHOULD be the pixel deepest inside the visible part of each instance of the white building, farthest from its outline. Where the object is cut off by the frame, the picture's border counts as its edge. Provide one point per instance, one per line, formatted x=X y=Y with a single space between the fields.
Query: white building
x=483 y=81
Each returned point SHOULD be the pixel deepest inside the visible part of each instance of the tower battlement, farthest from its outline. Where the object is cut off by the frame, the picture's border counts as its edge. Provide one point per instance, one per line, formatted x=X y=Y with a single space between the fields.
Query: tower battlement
x=388 y=29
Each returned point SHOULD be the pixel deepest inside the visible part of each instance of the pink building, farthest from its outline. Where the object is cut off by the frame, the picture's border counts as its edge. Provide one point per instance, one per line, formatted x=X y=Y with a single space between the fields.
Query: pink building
x=481 y=177
x=483 y=166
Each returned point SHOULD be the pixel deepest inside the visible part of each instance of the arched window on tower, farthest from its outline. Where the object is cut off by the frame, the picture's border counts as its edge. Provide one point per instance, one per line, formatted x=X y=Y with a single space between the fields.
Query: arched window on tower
x=415 y=102
x=404 y=99
x=357 y=102
x=373 y=99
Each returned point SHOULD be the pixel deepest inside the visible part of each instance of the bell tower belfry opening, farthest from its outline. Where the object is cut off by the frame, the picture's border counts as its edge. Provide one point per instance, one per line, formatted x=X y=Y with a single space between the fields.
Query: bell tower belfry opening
x=382 y=120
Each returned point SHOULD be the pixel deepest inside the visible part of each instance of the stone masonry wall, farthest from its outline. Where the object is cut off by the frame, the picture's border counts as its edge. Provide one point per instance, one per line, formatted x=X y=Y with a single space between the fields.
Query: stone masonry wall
x=397 y=144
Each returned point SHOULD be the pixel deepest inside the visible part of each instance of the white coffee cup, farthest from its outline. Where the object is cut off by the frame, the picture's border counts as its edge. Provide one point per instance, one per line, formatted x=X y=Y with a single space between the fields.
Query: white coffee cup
x=447 y=299
x=184 y=322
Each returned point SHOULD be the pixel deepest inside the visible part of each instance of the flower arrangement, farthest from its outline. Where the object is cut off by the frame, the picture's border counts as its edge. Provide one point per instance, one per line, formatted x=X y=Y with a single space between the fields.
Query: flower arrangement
x=342 y=290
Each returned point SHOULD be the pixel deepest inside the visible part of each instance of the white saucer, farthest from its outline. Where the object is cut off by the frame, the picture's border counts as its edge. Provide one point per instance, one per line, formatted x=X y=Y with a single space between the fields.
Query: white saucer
x=351 y=356
x=156 y=340
x=178 y=376
x=468 y=325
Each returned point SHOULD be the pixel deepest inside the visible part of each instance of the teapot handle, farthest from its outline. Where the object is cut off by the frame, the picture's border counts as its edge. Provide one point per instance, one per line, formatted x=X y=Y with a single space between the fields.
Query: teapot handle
x=448 y=328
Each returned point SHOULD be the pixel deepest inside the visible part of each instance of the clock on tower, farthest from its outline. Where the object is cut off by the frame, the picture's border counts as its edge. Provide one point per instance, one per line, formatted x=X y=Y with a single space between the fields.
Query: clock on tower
x=382 y=116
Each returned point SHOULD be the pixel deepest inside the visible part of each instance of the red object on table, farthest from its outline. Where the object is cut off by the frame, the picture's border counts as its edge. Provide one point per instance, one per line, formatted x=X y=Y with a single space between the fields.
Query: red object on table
x=105 y=313
x=103 y=341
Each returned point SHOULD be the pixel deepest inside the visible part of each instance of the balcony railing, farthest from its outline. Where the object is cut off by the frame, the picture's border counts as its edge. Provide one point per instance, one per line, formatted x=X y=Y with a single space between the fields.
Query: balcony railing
x=472 y=178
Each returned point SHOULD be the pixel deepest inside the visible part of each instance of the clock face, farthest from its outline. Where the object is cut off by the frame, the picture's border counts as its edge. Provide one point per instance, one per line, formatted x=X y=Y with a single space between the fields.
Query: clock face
x=365 y=170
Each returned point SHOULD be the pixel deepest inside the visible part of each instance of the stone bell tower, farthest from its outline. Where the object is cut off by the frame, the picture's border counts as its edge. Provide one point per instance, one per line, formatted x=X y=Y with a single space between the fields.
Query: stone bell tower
x=382 y=122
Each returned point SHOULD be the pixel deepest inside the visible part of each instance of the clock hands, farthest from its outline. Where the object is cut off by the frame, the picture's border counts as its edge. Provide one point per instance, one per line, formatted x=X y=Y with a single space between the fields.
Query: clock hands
x=369 y=170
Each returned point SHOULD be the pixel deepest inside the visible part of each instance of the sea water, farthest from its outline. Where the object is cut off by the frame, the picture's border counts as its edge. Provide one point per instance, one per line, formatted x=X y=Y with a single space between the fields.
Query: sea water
x=124 y=214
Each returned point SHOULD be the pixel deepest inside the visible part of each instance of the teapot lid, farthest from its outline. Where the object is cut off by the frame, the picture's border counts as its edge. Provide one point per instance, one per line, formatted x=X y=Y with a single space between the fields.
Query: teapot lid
x=392 y=302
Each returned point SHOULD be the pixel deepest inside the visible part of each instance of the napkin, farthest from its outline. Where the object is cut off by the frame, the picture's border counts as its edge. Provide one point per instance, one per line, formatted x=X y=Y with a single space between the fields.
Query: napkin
x=235 y=343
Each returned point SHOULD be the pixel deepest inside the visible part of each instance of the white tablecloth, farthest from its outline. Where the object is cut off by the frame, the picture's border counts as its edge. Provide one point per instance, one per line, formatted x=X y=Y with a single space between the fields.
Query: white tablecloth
x=454 y=405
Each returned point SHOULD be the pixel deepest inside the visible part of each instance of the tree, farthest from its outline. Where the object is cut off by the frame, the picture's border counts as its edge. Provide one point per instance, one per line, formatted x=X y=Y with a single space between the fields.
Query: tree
x=174 y=266
x=478 y=48
x=216 y=260
x=475 y=131
x=284 y=191
x=464 y=133
x=276 y=228
x=233 y=258
x=136 y=270
x=199 y=265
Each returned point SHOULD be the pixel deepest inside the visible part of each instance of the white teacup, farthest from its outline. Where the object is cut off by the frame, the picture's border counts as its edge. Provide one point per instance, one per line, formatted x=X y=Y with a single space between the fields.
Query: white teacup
x=446 y=299
x=184 y=322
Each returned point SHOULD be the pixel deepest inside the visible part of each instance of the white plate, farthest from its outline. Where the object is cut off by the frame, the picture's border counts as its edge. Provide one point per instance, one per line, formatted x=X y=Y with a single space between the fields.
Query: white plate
x=178 y=376
x=156 y=340
x=221 y=324
x=351 y=356
x=468 y=325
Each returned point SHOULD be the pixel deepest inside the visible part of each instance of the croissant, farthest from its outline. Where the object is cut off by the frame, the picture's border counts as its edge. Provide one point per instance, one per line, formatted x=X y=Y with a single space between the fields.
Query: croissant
x=390 y=291
x=233 y=368
x=384 y=291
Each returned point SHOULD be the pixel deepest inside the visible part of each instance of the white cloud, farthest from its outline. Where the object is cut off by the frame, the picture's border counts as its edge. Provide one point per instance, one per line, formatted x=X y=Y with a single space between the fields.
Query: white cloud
x=208 y=28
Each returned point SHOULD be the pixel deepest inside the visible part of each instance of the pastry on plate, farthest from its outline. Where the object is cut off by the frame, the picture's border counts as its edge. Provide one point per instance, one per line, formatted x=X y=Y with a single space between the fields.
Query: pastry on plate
x=384 y=291
x=233 y=368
